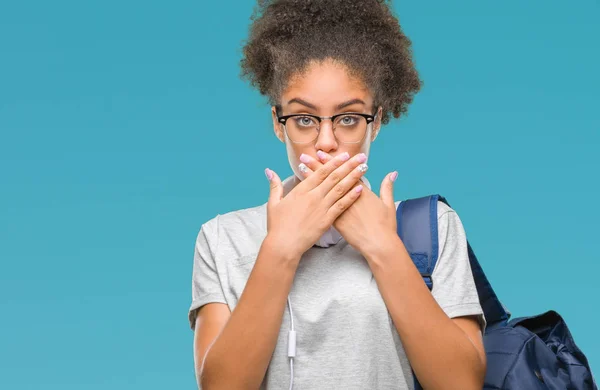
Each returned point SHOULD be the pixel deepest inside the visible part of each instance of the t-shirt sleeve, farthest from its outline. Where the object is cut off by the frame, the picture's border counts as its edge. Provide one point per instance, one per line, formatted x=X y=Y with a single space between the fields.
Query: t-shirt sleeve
x=453 y=284
x=206 y=285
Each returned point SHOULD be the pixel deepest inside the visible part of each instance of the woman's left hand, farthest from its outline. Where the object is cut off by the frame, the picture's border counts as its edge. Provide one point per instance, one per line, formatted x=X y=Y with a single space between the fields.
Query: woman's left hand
x=370 y=221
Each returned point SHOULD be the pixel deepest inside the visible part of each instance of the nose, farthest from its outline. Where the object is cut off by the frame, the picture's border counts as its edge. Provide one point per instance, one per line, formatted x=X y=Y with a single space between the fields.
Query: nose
x=326 y=140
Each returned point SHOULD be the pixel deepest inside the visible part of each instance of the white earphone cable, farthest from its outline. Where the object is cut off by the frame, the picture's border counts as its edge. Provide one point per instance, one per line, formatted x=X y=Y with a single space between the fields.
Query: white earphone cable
x=291 y=344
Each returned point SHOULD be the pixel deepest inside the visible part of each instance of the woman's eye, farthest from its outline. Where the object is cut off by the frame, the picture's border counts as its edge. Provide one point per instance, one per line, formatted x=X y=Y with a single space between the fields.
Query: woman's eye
x=304 y=121
x=347 y=120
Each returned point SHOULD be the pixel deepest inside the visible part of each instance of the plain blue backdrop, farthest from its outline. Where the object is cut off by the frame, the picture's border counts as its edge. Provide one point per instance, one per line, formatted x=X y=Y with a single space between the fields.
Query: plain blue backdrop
x=124 y=126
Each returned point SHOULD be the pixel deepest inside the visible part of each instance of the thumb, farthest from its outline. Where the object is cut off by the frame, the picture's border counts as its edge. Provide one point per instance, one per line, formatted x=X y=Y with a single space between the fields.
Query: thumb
x=387 y=189
x=276 y=190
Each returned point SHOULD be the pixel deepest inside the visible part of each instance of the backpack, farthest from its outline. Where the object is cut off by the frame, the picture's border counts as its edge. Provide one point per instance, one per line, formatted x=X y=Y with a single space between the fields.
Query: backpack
x=526 y=353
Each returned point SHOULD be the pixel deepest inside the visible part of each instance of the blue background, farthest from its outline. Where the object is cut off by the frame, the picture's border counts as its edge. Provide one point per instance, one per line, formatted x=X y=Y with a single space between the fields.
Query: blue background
x=124 y=126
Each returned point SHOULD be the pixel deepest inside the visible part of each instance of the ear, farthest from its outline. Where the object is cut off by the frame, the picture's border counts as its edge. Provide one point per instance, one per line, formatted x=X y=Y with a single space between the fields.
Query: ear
x=277 y=127
x=376 y=124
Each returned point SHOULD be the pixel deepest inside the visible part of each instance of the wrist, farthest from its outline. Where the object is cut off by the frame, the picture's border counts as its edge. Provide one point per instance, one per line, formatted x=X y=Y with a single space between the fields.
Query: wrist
x=278 y=249
x=383 y=249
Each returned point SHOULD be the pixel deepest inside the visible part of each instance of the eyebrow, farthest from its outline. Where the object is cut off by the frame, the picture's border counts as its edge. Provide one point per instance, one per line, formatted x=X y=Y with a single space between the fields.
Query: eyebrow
x=338 y=107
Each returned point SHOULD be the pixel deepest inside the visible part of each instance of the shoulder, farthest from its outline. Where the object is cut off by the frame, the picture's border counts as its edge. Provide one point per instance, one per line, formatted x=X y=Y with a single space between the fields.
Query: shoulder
x=251 y=215
x=442 y=208
x=235 y=233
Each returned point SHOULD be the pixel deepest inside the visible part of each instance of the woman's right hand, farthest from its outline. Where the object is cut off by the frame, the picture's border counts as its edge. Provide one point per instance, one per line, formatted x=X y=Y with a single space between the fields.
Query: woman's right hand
x=295 y=222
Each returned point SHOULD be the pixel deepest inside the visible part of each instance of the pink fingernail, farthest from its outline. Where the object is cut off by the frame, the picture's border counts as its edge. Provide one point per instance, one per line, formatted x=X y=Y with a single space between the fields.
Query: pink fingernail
x=344 y=156
x=320 y=154
x=304 y=158
x=269 y=174
x=394 y=176
x=359 y=188
x=361 y=158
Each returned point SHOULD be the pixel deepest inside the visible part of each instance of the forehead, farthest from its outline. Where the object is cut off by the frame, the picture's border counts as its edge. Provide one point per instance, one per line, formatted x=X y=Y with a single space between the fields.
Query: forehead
x=325 y=84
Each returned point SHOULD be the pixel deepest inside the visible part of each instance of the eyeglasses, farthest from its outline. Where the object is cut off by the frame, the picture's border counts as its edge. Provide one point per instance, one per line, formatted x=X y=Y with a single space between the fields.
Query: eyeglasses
x=348 y=127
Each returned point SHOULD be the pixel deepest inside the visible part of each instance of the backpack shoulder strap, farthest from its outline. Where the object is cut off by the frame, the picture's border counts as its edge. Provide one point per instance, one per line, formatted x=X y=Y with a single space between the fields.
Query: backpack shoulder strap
x=418 y=229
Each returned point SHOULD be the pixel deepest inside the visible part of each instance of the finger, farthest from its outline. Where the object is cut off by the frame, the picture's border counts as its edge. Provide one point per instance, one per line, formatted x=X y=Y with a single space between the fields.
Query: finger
x=276 y=188
x=324 y=171
x=342 y=204
x=346 y=184
x=340 y=173
x=386 y=192
x=323 y=157
x=312 y=163
x=304 y=169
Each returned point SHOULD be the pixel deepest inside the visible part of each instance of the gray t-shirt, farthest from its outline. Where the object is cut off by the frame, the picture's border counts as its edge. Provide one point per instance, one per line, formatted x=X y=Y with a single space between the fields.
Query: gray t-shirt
x=345 y=336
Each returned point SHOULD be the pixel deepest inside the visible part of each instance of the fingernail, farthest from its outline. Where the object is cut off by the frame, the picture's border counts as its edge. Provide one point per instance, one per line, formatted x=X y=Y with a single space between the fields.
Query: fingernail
x=320 y=154
x=394 y=176
x=303 y=168
x=269 y=174
x=304 y=158
x=359 y=188
x=361 y=158
x=344 y=156
x=362 y=167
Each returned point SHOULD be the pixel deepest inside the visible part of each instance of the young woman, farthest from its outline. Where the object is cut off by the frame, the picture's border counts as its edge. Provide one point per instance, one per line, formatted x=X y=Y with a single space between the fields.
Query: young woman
x=360 y=315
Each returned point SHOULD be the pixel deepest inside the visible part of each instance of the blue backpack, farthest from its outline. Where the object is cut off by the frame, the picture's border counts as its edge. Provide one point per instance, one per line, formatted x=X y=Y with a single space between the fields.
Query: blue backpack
x=526 y=353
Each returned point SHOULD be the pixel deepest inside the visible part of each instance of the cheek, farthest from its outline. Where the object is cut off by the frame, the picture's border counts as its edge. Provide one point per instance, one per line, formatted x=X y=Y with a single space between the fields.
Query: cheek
x=365 y=146
x=353 y=150
x=293 y=152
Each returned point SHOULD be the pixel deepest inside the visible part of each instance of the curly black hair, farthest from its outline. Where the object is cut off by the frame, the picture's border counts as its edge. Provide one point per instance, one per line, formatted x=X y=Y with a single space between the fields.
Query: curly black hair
x=364 y=35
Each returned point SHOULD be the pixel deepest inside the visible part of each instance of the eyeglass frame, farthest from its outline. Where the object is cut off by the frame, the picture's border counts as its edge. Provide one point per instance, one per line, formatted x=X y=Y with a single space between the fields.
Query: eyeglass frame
x=368 y=117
